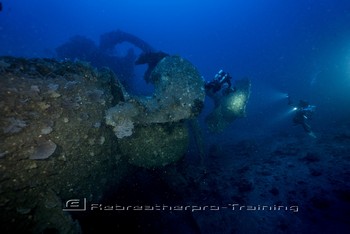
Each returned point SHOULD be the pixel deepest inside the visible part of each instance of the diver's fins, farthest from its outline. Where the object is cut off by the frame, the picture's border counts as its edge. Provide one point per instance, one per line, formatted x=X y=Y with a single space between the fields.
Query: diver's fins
x=312 y=134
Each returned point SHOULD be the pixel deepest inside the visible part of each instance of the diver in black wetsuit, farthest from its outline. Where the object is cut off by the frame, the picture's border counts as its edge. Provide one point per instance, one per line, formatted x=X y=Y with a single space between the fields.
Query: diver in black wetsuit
x=220 y=79
x=213 y=87
x=303 y=112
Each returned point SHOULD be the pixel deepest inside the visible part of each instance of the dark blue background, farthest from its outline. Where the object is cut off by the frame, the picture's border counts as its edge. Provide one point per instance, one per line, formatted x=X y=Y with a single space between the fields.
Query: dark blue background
x=296 y=47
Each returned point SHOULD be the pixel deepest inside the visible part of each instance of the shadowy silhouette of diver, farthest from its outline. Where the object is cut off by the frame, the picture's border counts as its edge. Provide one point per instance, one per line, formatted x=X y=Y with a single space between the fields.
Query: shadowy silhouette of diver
x=221 y=81
x=221 y=78
x=303 y=112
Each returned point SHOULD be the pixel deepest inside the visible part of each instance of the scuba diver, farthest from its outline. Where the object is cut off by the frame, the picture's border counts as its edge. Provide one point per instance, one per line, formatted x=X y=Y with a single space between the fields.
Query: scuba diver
x=213 y=87
x=303 y=112
x=220 y=79
x=230 y=100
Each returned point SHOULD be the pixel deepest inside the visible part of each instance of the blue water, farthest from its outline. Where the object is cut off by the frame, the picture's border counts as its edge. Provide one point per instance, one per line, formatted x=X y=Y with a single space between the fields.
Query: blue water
x=284 y=47
x=300 y=48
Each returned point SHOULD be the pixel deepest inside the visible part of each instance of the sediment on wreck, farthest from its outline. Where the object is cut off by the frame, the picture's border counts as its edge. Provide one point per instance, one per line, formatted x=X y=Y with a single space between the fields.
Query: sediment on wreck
x=152 y=130
x=54 y=144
